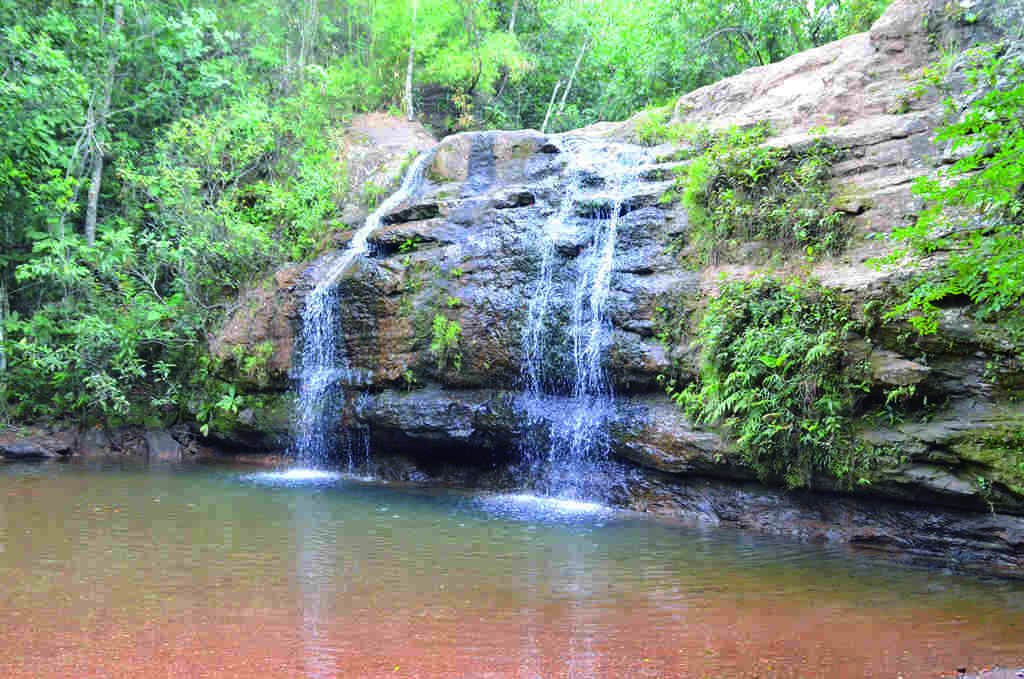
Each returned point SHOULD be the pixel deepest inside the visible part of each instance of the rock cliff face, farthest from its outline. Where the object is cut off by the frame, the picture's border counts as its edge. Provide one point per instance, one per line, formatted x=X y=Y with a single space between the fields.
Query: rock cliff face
x=467 y=249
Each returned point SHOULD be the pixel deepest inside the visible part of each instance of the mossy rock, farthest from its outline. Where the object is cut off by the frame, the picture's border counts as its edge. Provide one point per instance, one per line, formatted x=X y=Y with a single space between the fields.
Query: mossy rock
x=263 y=423
x=997 y=453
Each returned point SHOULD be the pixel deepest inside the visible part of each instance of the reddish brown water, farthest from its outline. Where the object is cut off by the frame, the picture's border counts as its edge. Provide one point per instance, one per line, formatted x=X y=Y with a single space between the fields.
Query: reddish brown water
x=148 y=573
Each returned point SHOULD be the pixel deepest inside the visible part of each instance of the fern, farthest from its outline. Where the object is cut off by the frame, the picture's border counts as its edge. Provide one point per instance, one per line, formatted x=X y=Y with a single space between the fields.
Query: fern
x=774 y=374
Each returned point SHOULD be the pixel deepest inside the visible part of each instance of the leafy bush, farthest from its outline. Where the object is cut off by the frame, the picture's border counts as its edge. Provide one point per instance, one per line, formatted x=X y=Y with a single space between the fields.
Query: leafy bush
x=974 y=208
x=445 y=343
x=653 y=127
x=741 y=190
x=775 y=373
x=852 y=16
x=119 y=327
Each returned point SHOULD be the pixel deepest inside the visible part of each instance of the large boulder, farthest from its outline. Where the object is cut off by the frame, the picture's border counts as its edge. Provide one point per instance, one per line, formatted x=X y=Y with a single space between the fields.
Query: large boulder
x=36 y=444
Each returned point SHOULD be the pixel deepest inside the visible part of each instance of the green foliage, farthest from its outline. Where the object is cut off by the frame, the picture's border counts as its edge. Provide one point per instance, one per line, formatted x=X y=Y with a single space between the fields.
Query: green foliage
x=974 y=208
x=409 y=380
x=254 y=364
x=740 y=189
x=222 y=397
x=410 y=244
x=105 y=339
x=195 y=203
x=639 y=64
x=852 y=16
x=774 y=372
x=445 y=343
x=373 y=195
x=655 y=127
x=56 y=59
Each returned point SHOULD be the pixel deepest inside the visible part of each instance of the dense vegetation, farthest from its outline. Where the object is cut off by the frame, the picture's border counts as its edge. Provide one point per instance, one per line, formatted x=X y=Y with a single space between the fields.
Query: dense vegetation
x=773 y=368
x=157 y=155
x=974 y=209
x=737 y=189
x=775 y=372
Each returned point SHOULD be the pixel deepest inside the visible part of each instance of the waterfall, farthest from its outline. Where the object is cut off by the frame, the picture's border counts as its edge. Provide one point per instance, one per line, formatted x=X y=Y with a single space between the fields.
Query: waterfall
x=569 y=404
x=325 y=369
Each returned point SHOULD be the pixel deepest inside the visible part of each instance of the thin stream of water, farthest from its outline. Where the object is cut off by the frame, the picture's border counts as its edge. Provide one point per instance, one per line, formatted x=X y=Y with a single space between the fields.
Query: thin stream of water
x=325 y=368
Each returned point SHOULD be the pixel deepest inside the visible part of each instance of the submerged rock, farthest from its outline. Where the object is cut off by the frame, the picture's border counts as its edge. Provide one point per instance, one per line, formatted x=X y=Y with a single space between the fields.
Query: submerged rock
x=162 y=447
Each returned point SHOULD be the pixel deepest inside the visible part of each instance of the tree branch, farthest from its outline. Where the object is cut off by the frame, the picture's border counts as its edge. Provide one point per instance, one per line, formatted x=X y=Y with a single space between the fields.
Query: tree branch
x=738 y=30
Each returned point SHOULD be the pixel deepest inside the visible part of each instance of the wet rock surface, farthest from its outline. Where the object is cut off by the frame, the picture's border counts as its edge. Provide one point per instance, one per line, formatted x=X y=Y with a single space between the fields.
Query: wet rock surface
x=161 y=446
x=468 y=439
x=989 y=673
x=972 y=541
x=72 y=443
x=36 y=444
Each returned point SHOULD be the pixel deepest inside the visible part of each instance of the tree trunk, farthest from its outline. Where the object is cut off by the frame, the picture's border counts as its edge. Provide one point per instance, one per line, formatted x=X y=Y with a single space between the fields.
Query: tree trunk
x=512 y=21
x=100 y=126
x=308 y=21
x=551 y=105
x=4 y=313
x=3 y=337
x=370 y=7
x=572 y=77
x=410 y=114
x=473 y=31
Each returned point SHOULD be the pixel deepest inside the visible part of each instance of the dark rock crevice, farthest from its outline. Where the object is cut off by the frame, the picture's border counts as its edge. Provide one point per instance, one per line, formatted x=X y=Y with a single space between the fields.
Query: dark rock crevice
x=412 y=213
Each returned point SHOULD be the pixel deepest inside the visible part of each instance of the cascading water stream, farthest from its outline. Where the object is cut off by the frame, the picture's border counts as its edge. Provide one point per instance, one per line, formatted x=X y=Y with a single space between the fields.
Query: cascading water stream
x=573 y=408
x=325 y=369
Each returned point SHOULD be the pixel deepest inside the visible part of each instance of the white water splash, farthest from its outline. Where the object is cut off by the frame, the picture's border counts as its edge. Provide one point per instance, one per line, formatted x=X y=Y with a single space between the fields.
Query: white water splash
x=561 y=505
x=295 y=476
x=527 y=507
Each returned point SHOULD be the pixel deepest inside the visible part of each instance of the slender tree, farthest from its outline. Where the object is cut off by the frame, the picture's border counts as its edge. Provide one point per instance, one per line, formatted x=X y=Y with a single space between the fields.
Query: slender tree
x=410 y=114
x=97 y=124
x=3 y=337
x=551 y=105
x=572 y=76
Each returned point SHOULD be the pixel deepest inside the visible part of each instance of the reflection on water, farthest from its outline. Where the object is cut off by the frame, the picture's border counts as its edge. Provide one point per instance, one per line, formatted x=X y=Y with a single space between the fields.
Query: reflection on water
x=138 y=573
x=316 y=572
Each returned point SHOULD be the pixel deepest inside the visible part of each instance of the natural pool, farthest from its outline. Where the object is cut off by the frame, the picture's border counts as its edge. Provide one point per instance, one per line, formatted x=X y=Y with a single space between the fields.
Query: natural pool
x=228 y=572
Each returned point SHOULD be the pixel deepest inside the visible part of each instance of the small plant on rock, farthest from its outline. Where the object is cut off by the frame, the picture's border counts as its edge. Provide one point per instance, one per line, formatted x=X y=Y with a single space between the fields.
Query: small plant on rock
x=445 y=343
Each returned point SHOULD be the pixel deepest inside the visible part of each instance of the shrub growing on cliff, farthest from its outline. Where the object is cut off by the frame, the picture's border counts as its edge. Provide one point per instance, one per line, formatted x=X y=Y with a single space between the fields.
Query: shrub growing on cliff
x=739 y=189
x=445 y=343
x=974 y=208
x=774 y=372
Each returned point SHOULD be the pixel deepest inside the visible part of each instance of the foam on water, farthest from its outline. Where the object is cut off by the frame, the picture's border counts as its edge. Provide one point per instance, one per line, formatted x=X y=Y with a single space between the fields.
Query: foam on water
x=573 y=506
x=296 y=476
x=538 y=507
